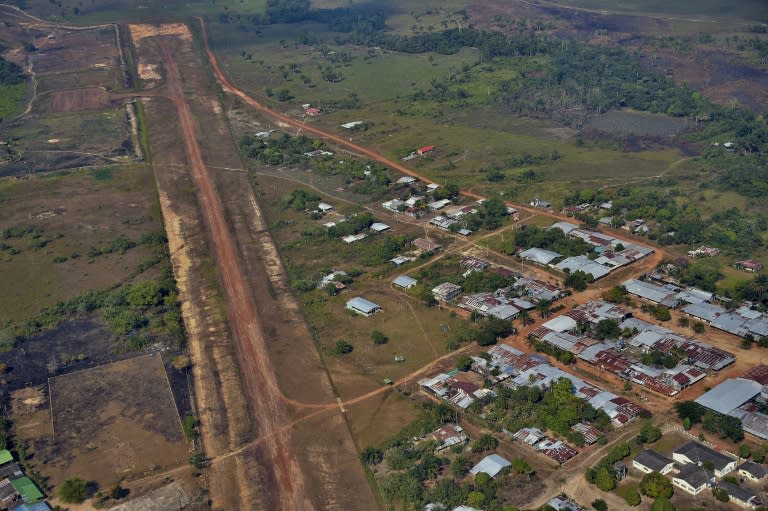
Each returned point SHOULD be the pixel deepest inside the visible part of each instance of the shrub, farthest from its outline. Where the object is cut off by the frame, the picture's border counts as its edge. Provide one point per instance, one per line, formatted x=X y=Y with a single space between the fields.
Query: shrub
x=73 y=491
x=342 y=347
x=379 y=338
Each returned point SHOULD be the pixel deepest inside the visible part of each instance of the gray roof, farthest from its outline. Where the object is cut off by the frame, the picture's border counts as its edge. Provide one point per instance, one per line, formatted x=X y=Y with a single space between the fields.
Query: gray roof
x=756 y=469
x=705 y=311
x=566 y=227
x=540 y=255
x=491 y=465
x=694 y=475
x=699 y=453
x=736 y=492
x=362 y=305
x=730 y=394
x=657 y=294
x=582 y=263
x=404 y=281
x=653 y=460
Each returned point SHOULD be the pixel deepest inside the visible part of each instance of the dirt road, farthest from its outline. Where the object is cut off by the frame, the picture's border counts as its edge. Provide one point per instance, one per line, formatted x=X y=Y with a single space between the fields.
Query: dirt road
x=259 y=376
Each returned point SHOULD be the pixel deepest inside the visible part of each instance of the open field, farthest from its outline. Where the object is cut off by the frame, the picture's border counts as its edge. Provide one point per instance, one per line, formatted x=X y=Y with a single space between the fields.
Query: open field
x=113 y=421
x=751 y=10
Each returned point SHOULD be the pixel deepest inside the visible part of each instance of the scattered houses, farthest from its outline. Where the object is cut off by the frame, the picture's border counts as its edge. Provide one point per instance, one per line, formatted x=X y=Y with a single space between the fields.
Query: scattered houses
x=16 y=490
x=555 y=449
x=362 y=306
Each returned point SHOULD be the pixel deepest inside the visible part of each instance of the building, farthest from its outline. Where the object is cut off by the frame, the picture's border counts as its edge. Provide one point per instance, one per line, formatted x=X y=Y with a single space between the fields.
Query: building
x=749 y=265
x=491 y=465
x=650 y=461
x=665 y=295
x=704 y=251
x=583 y=264
x=446 y=291
x=426 y=246
x=563 y=503
x=692 y=479
x=427 y=149
x=539 y=255
x=363 y=306
x=448 y=436
x=400 y=260
x=352 y=124
x=27 y=489
x=404 y=282
x=324 y=207
x=695 y=453
x=589 y=433
x=379 y=227
x=352 y=238
x=740 y=496
x=755 y=472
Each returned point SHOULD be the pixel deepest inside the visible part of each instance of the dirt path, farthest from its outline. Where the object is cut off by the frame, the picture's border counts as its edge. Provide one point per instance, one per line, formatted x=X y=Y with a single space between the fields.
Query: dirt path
x=259 y=376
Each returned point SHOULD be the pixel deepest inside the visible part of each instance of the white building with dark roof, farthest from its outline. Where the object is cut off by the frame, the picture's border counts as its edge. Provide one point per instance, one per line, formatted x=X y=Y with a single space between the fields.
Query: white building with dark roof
x=695 y=453
x=692 y=479
x=650 y=461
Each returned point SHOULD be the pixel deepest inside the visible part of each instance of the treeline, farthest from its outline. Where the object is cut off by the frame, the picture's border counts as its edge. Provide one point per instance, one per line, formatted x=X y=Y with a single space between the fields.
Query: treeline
x=10 y=73
x=691 y=412
x=549 y=239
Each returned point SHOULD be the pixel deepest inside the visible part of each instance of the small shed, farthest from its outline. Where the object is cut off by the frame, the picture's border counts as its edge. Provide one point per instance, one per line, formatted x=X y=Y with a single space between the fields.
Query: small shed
x=5 y=456
x=491 y=465
x=379 y=227
x=324 y=207
x=27 y=489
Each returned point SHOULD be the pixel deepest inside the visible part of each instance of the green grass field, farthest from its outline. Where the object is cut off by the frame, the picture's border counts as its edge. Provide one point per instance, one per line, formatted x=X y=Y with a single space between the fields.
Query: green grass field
x=753 y=10
x=10 y=98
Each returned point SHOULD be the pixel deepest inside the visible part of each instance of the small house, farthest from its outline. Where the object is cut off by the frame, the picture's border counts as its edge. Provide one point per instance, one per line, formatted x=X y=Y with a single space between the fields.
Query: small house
x=755 y=472
x=426 y=246
x=8 y=494
x=431 y=187
x=749 y=265
x=692 y=479
x=324 y=207
x=619 y=470
x=589 y=433
x=740 y=496
x=400 y=260
x=379 y=227
x=352 y=238
x=491 y=465
x=363 y=307
x=448 y=436
x=312 y=111
x=446 y=291
x=27 y=489
x=404 y=282
x=427 y=149
x=406 y=180
x=650 y=461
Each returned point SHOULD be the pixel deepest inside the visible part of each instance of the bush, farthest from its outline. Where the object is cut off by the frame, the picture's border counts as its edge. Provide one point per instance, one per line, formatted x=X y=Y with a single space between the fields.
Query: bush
x=656 y=485
x=485 y=442
x=599 y=505
x=73 y=491
x=342 y=347
x=464 y=363
x=371 y=456
x=378 y=337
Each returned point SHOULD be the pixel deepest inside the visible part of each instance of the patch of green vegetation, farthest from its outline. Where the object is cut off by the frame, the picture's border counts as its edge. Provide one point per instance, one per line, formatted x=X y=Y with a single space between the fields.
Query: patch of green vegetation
x=747 y=9
x=10 y=98
x=103 y=174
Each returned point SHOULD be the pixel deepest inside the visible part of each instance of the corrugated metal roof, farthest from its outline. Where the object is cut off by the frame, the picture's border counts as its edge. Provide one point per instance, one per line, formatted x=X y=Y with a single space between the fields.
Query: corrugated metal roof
x=362 y=305
x=730 y=394
x=491 y=465
x=405 y=281
x=539 y=255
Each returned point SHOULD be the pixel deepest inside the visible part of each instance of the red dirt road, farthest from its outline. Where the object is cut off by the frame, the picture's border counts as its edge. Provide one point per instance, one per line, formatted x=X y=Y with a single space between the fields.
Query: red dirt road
x=227 y=86
x=259 y=378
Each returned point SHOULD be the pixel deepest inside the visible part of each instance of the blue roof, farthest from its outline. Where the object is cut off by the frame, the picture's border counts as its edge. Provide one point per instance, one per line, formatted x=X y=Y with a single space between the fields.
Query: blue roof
x=404 y=281
x=39 y=506
x=362 y=305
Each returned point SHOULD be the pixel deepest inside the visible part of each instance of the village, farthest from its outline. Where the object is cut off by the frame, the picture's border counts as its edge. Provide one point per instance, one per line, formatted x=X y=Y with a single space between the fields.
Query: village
x=601 y=335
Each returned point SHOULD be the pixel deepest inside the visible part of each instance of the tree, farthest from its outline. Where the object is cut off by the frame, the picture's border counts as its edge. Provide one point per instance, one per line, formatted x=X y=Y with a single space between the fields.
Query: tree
x=656 y=485
x=632 y=497
x=520 y=466
x=604 y=479
x=459 y=466
x=464 y=363
x=342 y=347
x=371 y=456
x=648 y=434
x=73 y=490
x=607 y=329
x=720 y=494
x=379 y=338
x=483 y=480
x=662 y=504
x=599 y=505
x=485 y=442
x=744 y=451
x=476 y=499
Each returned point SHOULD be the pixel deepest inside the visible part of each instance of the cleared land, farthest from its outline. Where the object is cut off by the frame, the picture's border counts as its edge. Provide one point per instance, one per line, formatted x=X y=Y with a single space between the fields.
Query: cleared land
x=128 y=424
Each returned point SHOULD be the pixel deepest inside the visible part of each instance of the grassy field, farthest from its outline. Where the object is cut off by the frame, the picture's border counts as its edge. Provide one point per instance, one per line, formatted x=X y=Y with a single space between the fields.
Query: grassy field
x=69 y=214
x=754 y=10
x=10 y=97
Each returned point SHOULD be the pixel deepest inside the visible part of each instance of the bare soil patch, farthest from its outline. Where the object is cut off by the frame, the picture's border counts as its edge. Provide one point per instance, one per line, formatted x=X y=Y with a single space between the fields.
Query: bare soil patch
x=93 y=98
x=114 y=421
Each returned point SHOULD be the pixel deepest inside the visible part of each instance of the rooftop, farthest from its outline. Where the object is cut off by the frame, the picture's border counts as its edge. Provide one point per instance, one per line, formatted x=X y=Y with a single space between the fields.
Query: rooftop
x=694 y=475
x=491 y=465
x=653 y=460
x=730 y=394
x=539 y=255
x=699 y=453
x=405 y=281
x=362 y=305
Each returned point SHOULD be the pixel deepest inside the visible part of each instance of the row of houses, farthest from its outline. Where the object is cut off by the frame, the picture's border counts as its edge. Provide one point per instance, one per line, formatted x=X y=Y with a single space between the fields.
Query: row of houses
x=611 y=253
x=695 y=467
x=743 y=398
x=623 y=356
x=698 y=304
x=17 y=491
